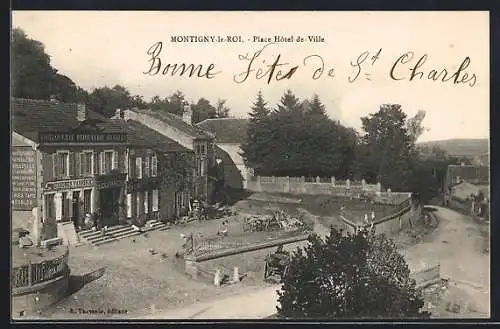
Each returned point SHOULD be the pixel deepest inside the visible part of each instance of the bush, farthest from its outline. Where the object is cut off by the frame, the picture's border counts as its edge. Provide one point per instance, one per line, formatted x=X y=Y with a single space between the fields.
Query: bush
x=349 y=277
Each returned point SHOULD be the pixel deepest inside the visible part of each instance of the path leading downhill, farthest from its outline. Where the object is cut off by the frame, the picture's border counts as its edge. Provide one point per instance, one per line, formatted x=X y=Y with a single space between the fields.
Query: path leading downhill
x=456 y=244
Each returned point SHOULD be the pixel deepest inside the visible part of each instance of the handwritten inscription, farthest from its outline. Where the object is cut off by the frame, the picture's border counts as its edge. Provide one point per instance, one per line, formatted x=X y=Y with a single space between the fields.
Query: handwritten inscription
x=157 y=67
x=264 y=64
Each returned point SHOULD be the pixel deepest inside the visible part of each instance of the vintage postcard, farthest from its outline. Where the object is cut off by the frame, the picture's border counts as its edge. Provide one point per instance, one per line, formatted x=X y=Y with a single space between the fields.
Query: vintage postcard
x=250 y=165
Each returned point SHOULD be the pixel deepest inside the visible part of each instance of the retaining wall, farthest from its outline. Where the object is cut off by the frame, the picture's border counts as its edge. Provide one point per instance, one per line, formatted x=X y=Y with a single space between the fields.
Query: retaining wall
x=314 y=186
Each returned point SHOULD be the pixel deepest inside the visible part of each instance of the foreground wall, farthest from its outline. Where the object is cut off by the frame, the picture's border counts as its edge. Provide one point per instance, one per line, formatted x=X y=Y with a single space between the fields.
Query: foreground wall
x=315 y=186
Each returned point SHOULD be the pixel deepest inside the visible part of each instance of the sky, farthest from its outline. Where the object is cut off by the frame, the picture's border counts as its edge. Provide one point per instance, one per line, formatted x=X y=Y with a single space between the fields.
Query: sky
x=98 y=48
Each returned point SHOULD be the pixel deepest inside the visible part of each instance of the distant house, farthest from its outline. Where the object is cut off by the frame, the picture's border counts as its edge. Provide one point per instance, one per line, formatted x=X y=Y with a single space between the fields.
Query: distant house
x=230 y=134
x=478 y=175
x=180 y=130
x=464 y=184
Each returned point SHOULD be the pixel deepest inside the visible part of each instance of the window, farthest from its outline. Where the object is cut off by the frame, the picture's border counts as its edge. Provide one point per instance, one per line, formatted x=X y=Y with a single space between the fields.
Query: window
x=200 y=163
x=138 y=167
x=108 y=161
x=155 y=200
x=203 y=151
x=198 y=149
x=61 y=164
x=146 y=166
x=87 y=163
x=154 y=166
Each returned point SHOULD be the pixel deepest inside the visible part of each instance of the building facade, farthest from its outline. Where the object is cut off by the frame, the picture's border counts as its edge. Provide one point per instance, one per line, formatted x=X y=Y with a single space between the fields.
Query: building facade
x=180 y=130
x=79 y=160
x=155 y=190
x=230 y=134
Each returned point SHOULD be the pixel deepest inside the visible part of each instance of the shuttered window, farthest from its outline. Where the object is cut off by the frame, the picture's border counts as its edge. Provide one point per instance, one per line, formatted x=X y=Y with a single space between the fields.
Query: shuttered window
x=101 y=163
x=146 y=167
x=115 y=160
x=154 y=166
x=86 y=163
x=61 y=164
x=138 y=167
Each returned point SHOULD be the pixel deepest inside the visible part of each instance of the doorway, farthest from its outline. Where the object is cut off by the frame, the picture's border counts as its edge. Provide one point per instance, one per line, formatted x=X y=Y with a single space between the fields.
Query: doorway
x=109 y=204
x=75 y=205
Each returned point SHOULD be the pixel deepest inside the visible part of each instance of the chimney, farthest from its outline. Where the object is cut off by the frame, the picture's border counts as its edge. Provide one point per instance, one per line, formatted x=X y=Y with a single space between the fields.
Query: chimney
x=81 y=112
x=186 y=114
x=53 y=98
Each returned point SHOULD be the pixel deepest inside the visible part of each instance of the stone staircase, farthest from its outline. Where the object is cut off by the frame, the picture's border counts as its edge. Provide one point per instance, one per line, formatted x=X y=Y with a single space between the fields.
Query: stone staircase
x=119 y=232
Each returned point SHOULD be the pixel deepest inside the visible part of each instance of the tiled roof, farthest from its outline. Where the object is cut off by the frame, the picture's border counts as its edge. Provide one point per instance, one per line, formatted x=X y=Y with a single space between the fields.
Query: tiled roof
x=139 y=134
x=30 y=116
x=226 y=130
x=176 y=122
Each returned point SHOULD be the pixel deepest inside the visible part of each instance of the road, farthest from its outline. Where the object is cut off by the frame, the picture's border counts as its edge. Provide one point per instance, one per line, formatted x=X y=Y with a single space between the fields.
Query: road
x=456 y=244
x=254 y=305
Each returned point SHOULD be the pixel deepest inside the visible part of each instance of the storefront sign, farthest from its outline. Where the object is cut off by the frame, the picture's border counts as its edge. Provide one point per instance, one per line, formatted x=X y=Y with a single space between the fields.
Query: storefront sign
x=23 y=178
x=110 y=184
x=82 y=137
x=70 y=184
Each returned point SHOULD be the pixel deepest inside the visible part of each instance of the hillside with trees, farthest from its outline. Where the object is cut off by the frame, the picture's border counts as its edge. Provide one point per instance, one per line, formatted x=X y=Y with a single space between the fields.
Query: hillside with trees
x=34 y=77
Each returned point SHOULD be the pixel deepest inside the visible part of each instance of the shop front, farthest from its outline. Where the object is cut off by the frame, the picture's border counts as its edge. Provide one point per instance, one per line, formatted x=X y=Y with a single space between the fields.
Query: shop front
x=70 y=200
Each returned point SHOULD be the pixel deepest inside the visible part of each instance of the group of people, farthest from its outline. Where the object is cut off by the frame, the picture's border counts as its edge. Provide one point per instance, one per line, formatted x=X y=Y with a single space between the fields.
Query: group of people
x=92 y=221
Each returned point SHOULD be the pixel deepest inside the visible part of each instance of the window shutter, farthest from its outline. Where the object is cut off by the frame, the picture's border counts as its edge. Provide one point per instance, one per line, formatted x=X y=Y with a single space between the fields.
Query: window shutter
x=129 y=205
x=146 y=197
x=78 y=159
x=155 y=200
x=71 y=164
x=55 y=165
x=138 y=167
x=94 y=163
x=146 y=166
x=80 y=168
x=101 y=162
x=154 y=166
x=115 y=160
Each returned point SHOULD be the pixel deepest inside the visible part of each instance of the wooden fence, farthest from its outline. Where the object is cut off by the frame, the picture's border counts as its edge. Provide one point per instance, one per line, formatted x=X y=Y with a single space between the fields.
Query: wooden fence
x=31 y=274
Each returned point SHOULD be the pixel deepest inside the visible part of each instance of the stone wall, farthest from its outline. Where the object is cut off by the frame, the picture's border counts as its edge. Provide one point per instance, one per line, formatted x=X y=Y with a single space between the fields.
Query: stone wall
x=315 y=186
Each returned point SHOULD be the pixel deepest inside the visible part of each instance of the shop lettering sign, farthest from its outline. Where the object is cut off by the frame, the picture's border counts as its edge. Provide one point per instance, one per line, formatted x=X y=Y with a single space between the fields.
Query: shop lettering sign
x=82 y=137
x=23 y=178
x=70 y=184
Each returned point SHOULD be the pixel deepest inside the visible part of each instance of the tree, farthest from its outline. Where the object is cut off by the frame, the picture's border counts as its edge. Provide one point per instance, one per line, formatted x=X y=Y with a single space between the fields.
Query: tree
x=386 y=150
x=256 y=132
x=107 y=100
x=352 y=276
x=289 y=142
x=414 y=126
x=203 y=110
x=221 y=110
x=290 y=104
x=176 y=103
x=316 y=107
x=32 y=74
